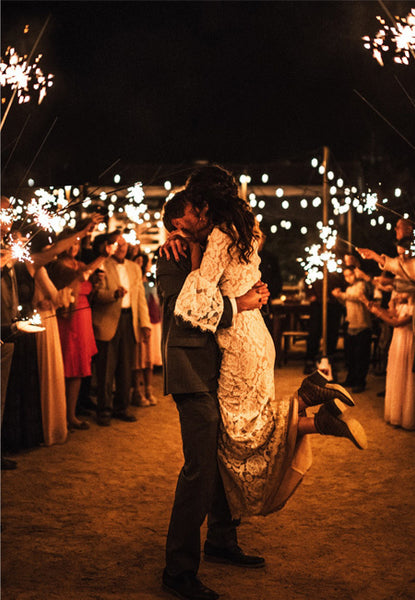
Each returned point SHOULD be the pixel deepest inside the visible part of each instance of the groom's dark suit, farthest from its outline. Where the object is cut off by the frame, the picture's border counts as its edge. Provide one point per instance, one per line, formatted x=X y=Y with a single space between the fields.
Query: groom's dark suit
x=191 y=361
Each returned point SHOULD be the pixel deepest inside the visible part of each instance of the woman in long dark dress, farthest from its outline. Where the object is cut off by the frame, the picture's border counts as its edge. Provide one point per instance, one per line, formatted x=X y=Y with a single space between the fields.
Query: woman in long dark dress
x=22 y=421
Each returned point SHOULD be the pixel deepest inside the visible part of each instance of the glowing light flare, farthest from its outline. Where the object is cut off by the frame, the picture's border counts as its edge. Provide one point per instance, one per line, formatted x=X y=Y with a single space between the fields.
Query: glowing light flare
x=131 y=238
x=6 y=216
x=134 y=213
x=18 y=74
x=136 y=193
x=20 y=250
x=35 y=319
x=370 y=201
x=399 y=38
x=328 y=236
x=319 y=255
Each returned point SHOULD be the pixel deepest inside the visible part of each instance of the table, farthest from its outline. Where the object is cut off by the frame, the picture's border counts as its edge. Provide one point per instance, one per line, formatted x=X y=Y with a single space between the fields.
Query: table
x=287 y=317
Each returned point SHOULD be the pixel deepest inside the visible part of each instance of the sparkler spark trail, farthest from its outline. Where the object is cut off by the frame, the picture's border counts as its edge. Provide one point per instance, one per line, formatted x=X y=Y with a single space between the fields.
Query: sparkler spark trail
x=6 y=112
x=18 y=74
x=6 y=216
x=20 y=251
x=370 y=202
x=42 y=217
x=398 y=37
x=136 y=193
x=136 y=209
x=35 y=319
x=319 y=255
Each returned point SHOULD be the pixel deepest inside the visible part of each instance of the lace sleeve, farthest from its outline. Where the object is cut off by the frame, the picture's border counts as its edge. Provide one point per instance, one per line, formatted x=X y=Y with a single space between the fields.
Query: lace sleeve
x=200 y=301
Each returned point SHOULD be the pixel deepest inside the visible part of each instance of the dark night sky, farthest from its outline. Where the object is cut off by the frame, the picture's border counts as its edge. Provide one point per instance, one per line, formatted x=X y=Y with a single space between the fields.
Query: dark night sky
x=225 y=81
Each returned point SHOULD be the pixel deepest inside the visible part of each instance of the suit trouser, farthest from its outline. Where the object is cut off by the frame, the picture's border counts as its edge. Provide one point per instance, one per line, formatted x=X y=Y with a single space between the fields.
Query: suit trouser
x=115 y=359
x=199 y=490
x=358 y=349
x=334 y=313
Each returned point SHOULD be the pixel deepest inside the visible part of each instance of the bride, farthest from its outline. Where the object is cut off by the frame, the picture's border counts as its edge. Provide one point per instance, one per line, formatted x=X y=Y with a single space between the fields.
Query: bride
x=262 y=449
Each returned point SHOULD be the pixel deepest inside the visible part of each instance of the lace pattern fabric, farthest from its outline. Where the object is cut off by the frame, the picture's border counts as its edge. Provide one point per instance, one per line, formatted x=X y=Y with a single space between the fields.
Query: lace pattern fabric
x=257 y=439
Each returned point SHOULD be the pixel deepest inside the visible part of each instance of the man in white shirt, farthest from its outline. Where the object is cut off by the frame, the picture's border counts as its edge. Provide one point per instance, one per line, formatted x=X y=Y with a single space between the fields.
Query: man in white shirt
x=120 y=316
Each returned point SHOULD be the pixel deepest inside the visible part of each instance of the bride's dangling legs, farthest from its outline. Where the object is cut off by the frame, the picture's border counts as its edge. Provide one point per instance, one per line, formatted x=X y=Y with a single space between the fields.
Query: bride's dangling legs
x=330 y=420
x=306 y=425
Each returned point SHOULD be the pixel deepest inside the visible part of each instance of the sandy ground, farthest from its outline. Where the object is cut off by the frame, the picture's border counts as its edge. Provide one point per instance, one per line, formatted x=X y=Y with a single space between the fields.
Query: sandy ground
x=88 y=520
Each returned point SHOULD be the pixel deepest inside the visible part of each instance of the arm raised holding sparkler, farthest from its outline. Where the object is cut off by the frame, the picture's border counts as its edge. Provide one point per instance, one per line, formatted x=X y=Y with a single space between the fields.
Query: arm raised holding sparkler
x=371 y=255
x=42 y=258
x=402 y=265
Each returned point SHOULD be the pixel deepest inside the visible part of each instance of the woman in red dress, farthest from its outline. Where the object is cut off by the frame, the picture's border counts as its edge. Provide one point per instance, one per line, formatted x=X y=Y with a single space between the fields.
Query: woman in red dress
x=75 y=327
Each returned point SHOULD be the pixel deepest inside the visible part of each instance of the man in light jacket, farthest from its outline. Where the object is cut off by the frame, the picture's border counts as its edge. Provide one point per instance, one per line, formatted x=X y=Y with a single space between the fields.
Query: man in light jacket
x=120 y=316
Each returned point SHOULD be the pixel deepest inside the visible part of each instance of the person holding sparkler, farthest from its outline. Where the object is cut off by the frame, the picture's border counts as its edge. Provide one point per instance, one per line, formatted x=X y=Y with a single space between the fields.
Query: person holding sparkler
x=359 y=330
x=29 y=420
x=75 y=325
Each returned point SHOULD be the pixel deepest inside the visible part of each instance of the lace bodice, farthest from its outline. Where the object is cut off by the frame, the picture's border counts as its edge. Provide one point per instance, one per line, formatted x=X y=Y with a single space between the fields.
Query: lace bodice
x=221 y=273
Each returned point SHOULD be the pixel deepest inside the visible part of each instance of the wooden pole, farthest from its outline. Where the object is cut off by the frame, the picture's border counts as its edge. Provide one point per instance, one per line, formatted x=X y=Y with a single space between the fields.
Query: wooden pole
x=325 y=223
x=244 y=188
x=349 y=225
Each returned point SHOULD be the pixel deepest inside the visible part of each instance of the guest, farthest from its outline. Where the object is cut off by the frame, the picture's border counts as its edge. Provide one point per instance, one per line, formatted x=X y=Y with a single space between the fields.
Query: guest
x=400 y=379
x=9 y=304
x=121 y=319
x=75 y=326
x=352 y=260
x=22 y=419
x=148 y=352
x=104 y=244
x=403 y=265
x=46 y=300
x=359 y=330
x=334 y=315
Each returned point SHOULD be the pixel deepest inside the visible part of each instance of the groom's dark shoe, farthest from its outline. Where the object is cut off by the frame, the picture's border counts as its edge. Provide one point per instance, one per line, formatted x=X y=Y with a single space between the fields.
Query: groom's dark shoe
x=317 y=389
x=232 y=556
x=187 y=587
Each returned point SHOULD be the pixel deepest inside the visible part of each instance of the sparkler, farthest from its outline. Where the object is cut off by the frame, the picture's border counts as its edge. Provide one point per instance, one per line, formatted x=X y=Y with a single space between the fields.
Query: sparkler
x=6 y=216
x=136 y=209
x=18 y=74
x=41 y=82
x=35 y=319
x=46 y=220
x=370 y=202
x=20 y=250
x=320 y=255
x=136 y=193
x=400 y=37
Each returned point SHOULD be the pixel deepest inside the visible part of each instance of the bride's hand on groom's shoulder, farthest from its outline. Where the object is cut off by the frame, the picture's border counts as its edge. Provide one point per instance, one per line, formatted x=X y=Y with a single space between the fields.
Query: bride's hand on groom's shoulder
x=175 y=244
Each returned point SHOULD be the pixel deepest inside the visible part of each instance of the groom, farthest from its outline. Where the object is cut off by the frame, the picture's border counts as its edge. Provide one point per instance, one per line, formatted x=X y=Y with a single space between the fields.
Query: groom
x=191 y=367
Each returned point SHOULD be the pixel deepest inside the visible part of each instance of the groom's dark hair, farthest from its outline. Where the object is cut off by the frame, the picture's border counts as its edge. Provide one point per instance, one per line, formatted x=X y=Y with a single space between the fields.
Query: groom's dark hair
x=174 y=209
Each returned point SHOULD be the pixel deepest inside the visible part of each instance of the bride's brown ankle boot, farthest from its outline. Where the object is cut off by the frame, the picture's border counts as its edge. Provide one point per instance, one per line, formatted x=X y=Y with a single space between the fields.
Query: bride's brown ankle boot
x=317 y=389
x=340 y=426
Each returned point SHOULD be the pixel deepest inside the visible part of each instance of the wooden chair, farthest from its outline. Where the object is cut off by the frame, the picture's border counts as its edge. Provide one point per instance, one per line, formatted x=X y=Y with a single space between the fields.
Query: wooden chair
x=289 y=338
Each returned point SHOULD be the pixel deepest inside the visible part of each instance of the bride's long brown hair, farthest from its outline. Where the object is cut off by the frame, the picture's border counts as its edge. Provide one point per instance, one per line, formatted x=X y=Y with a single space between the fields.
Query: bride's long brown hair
x=216 y=187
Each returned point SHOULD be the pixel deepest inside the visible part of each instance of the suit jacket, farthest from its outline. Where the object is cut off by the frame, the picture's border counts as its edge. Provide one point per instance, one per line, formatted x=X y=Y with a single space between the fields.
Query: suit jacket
x=106 y=310
x=9 y=300
x=191 y=357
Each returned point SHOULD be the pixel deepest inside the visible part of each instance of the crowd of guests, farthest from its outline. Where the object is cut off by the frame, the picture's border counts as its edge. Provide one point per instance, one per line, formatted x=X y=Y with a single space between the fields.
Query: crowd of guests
x=377 y=317
x=98 y=339
x=101 y=330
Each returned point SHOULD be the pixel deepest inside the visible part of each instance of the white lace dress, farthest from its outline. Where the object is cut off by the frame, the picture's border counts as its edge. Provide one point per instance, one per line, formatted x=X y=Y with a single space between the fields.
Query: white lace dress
x=261 y=459
x=400 y=379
